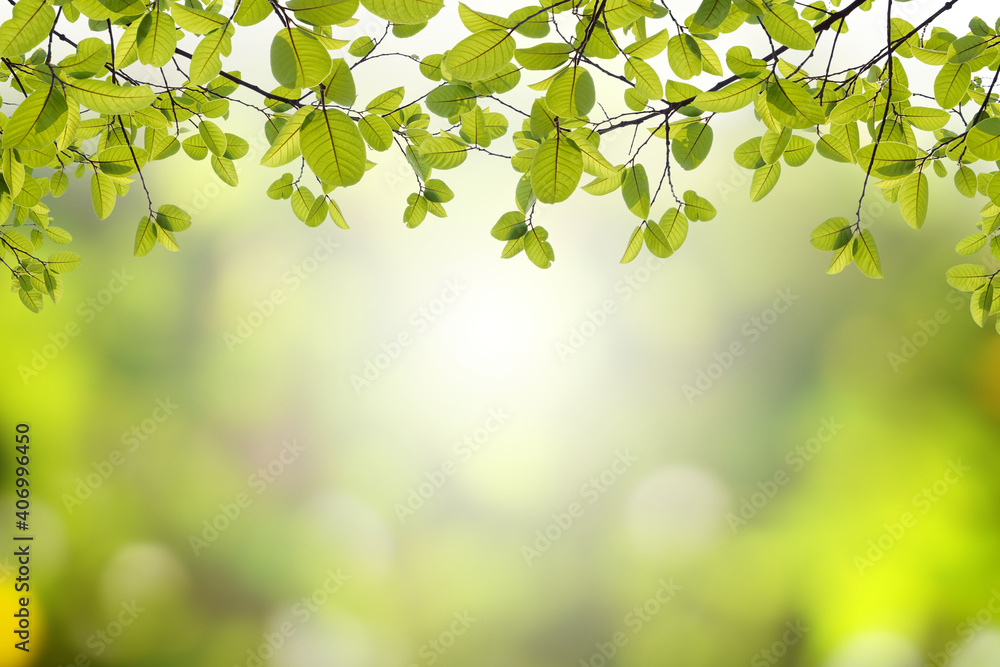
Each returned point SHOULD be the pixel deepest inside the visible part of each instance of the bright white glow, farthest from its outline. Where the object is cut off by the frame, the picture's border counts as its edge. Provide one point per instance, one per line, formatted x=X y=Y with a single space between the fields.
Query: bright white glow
x=492 y=332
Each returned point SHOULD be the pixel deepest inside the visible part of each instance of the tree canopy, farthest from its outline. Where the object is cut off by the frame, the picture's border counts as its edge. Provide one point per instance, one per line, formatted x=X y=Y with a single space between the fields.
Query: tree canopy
x=153 y=81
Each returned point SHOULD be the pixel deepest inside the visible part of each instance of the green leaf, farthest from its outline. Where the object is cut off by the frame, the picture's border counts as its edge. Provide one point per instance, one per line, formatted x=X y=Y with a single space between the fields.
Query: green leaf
x=951 y=84
x=984 y=139
x=572 y=92
x=647 y=48
x=89 y=59
x=58 y=182
x=675 y=225
x=438 y=191
x=546 y=56
x=530 y=22
x=474 y=128
x=120 y=160
x=634 y=245
x=286 y=145
x=166 y=239
x=156 y=39
x=995 y=247
x=405 y=12
x=965 y=182
x=971 y=244
x=386 y=102
x=197 y=21
x=698 y=208
x=298 y=59
x=443 y=152
x=32 y=300
x=317 y=213
x=538 y=249
x=333 y=148
x=730 y=98
x=712 y=13
x=195 y=147
x=511 y=225
x=18 y=241
x=213 y=136
x=172 y=218
x=747 y=154
x=832 y=234
x=773 y=144
x=337 y=216
x=692 y=145
x=981 y=303
x=451 y=99
x=556 y=169
x=512 y=248
x=415 y=211
x=36 y=121
x=480 y=55
x=656 y=240
x=206 y=61
x=281 y=188
x=740 y=60
x=966 y=48
x=53 y=285
x=252 y=12
x=866 y=255
x=63 y=262
x=362 y=46
x=236 y=147
x=798 y=151
x=225 y=170
x=102 y=194
x=792 y=105
x=913 y=196
x=926 y=118
x=339 y=86
x=834 y=149
x=850 y=109
x=684 y=56
x=842 y=258
x=13 y=173
x=323 y=12
x=106 y=97
x=376 y=132
x=763 y=181
x=968 y=277
x=475 y=21
x=635 y=190
x=301 y=202
x=145 y=237
x=783 y=24
x=889 y=159
x=29 y=24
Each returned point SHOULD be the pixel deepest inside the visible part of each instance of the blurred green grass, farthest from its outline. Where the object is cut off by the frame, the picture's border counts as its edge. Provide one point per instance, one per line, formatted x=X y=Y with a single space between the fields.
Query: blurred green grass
x=495 y=346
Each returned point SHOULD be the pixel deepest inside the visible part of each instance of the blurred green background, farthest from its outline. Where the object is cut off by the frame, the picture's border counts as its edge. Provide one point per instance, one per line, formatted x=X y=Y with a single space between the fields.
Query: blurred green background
x=416 y=453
